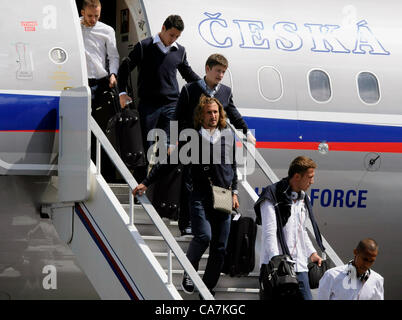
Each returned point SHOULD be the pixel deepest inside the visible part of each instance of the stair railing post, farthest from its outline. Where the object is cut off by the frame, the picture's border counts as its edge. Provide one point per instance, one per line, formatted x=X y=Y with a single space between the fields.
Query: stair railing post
x=131 y=211
x=245 y=160
x=98 y=156
x=169 y=257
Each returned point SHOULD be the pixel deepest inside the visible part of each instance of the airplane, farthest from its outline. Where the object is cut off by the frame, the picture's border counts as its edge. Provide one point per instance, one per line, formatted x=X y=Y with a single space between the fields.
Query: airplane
x=322 y=83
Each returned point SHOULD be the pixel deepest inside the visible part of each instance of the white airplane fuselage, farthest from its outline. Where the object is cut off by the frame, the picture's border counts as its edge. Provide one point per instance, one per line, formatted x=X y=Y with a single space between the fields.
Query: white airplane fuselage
x=315 y=79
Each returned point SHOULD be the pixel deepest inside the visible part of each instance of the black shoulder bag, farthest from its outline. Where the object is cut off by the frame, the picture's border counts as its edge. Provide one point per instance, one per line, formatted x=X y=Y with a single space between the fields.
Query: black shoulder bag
x=278 y=278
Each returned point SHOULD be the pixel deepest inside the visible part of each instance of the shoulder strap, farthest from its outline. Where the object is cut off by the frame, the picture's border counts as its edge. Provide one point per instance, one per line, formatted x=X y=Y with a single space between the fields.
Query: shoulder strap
x=317 y=232
x=279 y=232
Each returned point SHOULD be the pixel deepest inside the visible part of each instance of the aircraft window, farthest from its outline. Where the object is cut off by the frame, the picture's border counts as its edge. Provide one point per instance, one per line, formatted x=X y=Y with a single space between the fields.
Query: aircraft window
x=368 y=87
x=270 y=83
x=320 y=87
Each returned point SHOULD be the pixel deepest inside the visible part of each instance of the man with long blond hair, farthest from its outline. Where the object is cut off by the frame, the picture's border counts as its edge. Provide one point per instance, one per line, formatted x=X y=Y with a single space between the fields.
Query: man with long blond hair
x=210 y=227
x=199 y=111
x=210 y=85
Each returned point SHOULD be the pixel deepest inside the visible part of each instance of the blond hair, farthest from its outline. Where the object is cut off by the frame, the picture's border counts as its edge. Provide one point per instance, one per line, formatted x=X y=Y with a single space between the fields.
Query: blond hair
x=199 y=112
x=91 y=4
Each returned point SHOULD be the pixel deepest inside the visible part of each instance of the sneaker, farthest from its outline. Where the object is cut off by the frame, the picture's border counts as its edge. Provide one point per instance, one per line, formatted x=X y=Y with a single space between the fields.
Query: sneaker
x=187 y=284
x=187 y=232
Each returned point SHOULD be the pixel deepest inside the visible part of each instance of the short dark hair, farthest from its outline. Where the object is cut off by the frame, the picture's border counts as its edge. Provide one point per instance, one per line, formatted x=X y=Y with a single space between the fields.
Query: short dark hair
x=91 y=4
x=300 y=165
x=367 y=245
x=216 y=59
x=174 y=21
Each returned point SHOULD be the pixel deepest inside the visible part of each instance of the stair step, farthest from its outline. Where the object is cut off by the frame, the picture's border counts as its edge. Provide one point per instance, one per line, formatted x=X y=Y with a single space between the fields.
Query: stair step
x=162 y=258
x=147 y=229
x=157 y=243
x=225 y=294
x=228 y=288
x=225 y=281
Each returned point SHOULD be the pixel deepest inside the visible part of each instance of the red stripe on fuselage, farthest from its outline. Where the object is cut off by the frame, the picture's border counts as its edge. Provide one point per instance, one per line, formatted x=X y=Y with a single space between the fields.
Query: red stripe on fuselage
x=391 y=147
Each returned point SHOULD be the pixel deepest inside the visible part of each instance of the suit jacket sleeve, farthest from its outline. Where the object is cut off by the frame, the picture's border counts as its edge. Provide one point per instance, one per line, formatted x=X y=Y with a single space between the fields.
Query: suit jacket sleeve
x=181 y=113
x=234 y=116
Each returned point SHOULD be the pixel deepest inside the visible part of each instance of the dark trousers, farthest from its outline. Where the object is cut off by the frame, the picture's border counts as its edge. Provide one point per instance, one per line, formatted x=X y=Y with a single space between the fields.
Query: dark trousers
x=152 y=117
x=101 y=111
x=185 y=201
x=210 y=228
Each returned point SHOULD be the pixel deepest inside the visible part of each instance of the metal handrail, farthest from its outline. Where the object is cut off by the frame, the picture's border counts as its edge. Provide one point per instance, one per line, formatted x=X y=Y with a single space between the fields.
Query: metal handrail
x=270 y=174
x=150 y=210
x=22 y=168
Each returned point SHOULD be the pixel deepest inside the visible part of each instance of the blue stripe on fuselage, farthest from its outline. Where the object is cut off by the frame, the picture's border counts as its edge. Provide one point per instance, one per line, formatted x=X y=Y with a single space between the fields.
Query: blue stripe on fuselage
x=29 y=112
x=282 y=130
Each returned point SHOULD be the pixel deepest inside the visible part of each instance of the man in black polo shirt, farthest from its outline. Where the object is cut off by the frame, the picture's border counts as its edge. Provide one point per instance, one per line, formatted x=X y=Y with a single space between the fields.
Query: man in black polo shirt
x=158 y=59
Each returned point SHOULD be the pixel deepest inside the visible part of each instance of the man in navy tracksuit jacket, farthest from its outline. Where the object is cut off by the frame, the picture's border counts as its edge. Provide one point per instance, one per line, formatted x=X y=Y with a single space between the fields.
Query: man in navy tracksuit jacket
x=157 y=60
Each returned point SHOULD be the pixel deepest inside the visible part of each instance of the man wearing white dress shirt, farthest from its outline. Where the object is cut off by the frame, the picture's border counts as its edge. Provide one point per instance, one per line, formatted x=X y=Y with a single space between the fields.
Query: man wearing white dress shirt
x=355 y=280
x=100 y=45
x=102 y=65
x=289 y=196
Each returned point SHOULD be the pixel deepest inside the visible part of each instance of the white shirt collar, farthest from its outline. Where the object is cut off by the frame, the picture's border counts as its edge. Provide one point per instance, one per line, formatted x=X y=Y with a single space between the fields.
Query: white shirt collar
x=161 y=46
x=211 y=137
x=210 y=92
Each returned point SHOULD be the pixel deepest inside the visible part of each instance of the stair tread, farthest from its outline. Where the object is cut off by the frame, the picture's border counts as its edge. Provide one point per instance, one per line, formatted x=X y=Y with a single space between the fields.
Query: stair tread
x=143 y=221
x=251 y=274
x=221 y=289
x=160 y=238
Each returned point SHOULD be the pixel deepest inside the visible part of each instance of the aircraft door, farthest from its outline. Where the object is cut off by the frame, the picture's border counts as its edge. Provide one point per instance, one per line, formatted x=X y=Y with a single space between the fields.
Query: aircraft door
x=41 y=55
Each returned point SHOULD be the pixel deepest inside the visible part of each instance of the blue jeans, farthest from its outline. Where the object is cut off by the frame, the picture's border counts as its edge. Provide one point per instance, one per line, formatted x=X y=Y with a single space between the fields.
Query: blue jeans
x=210 y=228
x=304 y=285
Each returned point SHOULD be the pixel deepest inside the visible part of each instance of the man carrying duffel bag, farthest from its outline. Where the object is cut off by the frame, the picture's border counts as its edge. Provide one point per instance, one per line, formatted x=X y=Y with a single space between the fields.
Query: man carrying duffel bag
x=282 y=210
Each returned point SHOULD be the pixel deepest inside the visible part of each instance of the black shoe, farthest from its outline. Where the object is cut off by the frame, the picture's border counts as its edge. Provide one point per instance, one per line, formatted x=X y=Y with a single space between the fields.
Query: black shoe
x=187 y=284
x=187 y=232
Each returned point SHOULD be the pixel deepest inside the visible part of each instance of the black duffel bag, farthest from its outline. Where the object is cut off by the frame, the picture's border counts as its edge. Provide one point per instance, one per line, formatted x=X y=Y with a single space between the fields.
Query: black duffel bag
x=315 y=272
x=124 y=132
x=278 y=279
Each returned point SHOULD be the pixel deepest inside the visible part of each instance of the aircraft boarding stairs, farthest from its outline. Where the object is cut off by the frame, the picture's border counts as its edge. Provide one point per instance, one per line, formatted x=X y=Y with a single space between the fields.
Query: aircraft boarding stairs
x=228 y=288
x=128 y=251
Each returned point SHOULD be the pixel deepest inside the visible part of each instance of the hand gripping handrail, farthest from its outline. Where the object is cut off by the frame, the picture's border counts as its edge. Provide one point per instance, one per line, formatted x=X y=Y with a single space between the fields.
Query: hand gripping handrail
x=150 y=210
x=270 y=174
